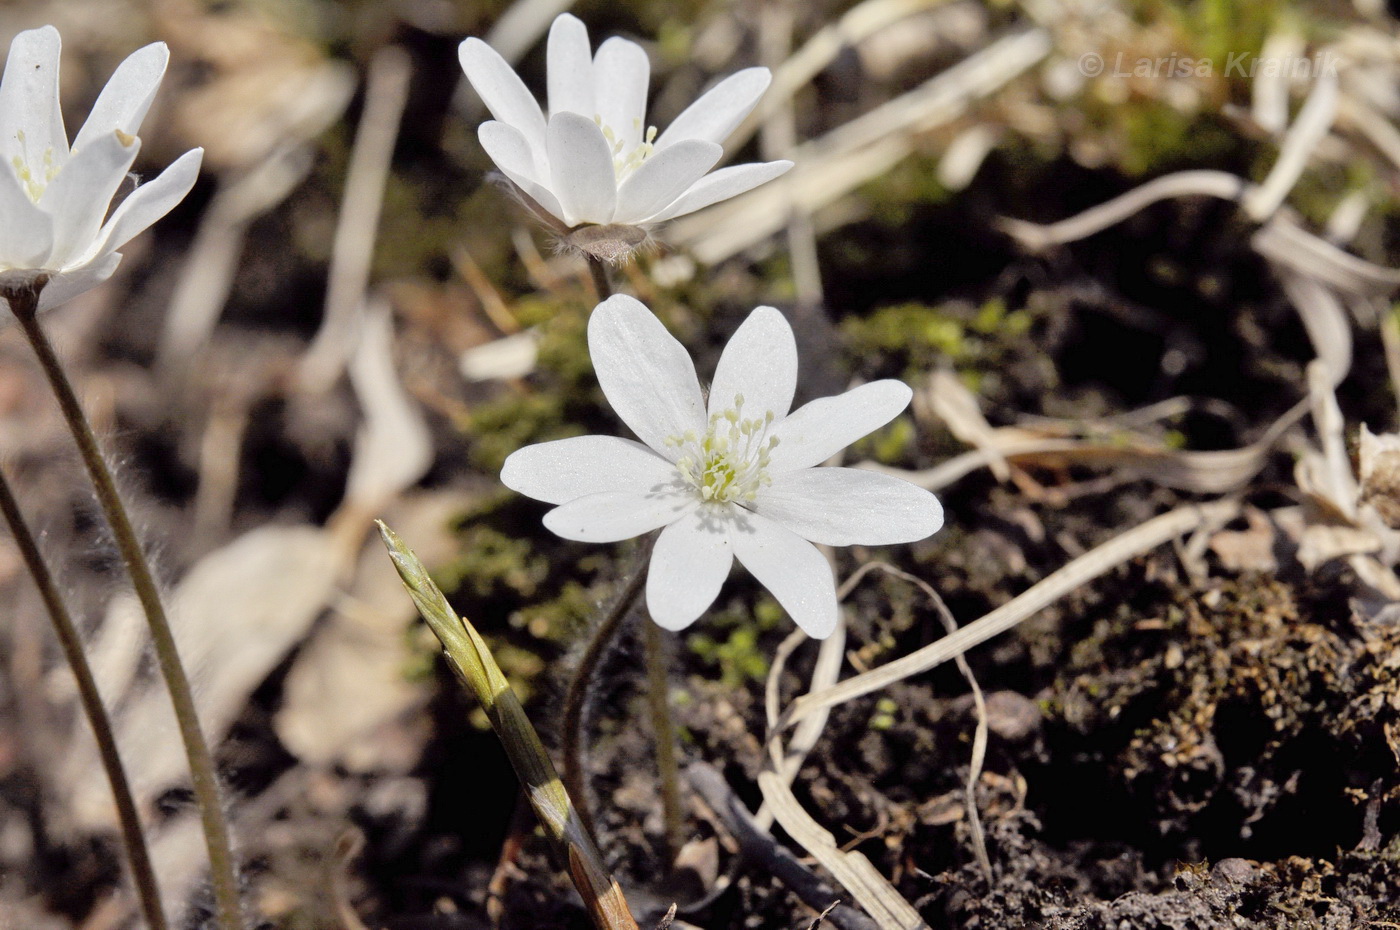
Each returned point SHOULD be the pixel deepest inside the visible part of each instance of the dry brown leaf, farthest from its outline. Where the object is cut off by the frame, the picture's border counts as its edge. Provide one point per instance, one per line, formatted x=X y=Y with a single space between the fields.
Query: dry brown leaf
x=348 y=686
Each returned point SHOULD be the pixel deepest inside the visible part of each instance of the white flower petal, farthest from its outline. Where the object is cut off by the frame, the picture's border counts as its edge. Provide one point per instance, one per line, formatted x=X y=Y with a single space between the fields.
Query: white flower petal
x=570 y=67
x=791 y=568
x=567 y=469
x=511 y=153
x=26 y=232
x=581 y=169
x=721 y=185
x=31 y=123
x=720 y=110
x=78 y=197
x=818 y=430
x=645 y=373
x=149 y=202
x=621 y=73
x=850 y=507
x=613 y=515
x=662 y=178
x=64 y=286
x=759 y=363
x=688 y=567
x=504 y=94
x=127 y=97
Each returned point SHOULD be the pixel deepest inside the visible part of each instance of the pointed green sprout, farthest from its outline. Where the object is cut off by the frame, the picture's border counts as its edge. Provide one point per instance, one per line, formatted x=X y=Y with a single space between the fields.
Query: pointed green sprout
x=471 y=660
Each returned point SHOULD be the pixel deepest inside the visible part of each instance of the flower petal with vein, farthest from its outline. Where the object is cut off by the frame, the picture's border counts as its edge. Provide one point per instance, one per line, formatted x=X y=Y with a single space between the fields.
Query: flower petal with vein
x=593 y=159
x=731 y=477
x=55 y=199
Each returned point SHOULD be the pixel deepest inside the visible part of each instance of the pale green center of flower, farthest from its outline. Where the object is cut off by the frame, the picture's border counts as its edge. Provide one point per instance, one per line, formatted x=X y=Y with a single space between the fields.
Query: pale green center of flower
x=624 y=163
x=729 y=463
x=34 y=182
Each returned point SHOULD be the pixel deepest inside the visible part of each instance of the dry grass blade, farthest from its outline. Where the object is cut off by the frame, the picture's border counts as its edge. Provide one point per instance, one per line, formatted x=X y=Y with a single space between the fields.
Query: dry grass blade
x=979 y=738
x=1115 y=552
x=386 y=95
x=1312 y=124
x=858 y=23
x=948 y=398
x=834 y=165
x=855 y=873
x=1282 y=240
x=471 y=659
x=825 y=673
x=1214 y=472
x=1203 y=183
x=1326 y=322
x=206 y=275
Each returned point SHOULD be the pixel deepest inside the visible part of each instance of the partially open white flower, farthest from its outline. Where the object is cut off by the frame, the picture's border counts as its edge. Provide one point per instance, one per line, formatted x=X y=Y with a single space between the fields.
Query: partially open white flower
x=54 y=199
x=734 y=478
x=595 y=160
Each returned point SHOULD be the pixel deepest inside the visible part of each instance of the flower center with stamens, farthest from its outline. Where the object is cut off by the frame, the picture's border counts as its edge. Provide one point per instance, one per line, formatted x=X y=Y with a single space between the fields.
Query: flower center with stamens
x=729 y=463
x=34 y=184
x=624 y=163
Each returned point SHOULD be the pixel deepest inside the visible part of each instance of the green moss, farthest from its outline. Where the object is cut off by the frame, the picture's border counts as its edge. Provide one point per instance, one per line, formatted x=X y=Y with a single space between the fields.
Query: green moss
x=885 y=713
x=890 y=445
x=912 y=183
x=492 y=562
x=1158 y=137
x=560 y=618
x=499 y=427
x=738 y=657
x=730 y=642
x=973 y=339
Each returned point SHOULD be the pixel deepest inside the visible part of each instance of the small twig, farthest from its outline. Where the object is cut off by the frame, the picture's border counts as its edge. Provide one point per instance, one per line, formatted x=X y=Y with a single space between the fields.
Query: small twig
x=138 y=855
x=764 y=854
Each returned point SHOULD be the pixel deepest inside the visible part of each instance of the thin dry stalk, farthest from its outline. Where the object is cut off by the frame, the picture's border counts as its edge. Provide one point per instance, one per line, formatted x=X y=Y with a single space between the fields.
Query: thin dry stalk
x=386 y=95
x=1122 y=548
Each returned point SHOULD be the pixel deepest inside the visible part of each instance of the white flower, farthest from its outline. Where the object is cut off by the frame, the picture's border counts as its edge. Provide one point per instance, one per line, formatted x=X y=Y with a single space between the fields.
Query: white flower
x=53 y=199
x=734 y=479
x=595 y=160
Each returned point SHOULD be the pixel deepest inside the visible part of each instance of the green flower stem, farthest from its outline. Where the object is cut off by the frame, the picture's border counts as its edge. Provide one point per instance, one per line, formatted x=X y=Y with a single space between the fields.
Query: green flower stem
x=664 y=730
x=24 y=303
x=581 y=685
x=601 y=283
x=663 y=727
x=142 y=873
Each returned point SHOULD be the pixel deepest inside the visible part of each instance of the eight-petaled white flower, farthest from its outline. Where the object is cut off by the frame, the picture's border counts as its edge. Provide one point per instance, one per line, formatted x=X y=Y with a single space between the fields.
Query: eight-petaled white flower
x=54 y=199
x=595 y=160
x=734 y=478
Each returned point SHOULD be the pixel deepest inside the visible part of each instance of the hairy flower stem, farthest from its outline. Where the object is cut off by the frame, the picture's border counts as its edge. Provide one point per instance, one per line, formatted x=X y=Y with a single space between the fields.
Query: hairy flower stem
x=24 y=303
x=664 y=730
x=142 y=873
x=601 y=283
x=576 y=701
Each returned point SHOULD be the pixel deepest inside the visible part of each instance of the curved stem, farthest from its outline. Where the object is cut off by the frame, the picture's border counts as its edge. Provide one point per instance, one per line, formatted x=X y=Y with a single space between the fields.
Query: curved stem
x=664 y=732
x=142 y=873
x=581 y=685
x=24 y=303
x=601 y=282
